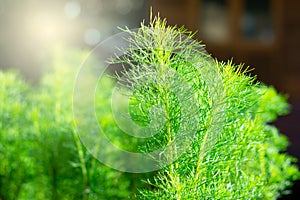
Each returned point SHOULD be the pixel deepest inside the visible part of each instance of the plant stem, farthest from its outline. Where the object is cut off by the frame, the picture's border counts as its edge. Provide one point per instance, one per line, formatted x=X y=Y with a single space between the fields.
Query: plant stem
x=170 y=137
x=82 y=163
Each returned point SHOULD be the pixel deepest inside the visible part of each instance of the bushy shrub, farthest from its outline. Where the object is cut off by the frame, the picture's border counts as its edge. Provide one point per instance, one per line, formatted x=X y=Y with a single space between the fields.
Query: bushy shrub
x=41 y=155
x=222 y=139
x=216 y=133
x=15 y=138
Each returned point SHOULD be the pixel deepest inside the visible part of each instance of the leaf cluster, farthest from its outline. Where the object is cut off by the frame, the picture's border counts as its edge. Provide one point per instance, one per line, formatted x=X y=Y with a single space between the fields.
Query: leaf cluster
x=41 y=156
x=227 y=148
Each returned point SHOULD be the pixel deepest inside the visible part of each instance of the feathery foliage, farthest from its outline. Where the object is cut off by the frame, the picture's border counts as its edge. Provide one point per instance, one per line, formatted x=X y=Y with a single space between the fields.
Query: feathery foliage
x=216 y=133
x=209 y=119
x=41 y=156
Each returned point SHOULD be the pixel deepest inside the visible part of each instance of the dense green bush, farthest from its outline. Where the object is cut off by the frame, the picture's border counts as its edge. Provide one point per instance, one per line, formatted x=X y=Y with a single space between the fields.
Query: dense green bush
x=41 y=155
x=15 y=140
x=232 y=153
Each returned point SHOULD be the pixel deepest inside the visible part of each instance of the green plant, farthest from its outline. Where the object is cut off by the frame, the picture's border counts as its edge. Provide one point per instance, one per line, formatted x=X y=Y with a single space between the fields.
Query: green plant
x=15 y=140
x=213 y=130
x=216 y=120
x=41 y=156
x=70 y=170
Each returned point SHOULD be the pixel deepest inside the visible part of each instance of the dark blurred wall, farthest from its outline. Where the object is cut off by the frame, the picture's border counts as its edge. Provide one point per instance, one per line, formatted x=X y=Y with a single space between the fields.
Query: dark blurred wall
x=290 y=49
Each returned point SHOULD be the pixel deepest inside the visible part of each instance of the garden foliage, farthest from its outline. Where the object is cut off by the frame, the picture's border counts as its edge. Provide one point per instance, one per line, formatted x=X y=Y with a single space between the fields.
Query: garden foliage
x=221 y=141
x=234 y=152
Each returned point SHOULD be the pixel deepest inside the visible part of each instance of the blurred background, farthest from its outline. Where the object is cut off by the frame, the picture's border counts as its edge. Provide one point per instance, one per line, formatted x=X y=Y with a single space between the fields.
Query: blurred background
x=30 y=30
x=262 y=34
